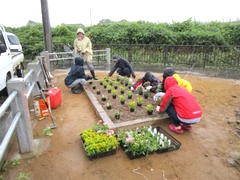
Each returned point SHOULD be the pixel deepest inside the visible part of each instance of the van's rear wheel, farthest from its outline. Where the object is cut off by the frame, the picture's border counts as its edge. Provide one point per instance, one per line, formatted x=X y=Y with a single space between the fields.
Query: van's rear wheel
x=20 y=71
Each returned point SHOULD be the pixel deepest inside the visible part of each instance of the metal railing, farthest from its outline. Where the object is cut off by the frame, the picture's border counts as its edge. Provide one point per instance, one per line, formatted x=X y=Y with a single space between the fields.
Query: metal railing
x=20 y=90
x=67 y=58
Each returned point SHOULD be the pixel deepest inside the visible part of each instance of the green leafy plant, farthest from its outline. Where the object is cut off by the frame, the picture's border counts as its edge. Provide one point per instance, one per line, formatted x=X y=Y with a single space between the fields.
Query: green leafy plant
x=129 y=94
x=132 y=105
x=109 y=87
x=139 y=101
x=47 y=131
x=114 y=93
x=118 y=78
x=23 y=176
x=105 y=83
x=115 y=84
x=140 y=90
x=149 y=108
x=99 y=138
x=139 y=141
x=117 y=114
x=101 y=81
x=122 y=89
x=122 y=99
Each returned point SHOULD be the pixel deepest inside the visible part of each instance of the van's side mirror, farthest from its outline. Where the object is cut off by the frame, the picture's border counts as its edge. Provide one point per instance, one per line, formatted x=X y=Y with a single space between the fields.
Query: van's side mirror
x=3 y=48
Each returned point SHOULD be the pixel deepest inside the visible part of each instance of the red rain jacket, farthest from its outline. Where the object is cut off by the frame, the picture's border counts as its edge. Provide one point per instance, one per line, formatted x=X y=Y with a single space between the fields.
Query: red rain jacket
x=184 y=102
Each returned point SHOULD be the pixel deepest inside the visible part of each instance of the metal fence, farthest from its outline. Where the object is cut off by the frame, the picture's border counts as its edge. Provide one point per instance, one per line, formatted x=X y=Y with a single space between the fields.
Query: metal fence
x=178 y=55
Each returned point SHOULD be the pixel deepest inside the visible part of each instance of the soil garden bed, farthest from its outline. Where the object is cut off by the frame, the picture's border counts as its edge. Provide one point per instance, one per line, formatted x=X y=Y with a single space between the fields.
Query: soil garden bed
x=116 y=106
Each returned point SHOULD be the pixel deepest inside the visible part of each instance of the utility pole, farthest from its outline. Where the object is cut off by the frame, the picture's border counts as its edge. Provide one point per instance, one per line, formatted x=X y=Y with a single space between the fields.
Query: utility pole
x=46 y=27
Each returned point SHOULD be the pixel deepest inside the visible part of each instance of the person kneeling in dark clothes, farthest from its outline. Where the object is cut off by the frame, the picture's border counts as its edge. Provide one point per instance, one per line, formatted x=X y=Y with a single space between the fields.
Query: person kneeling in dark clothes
x=123 y=67
x=76 y=76
x=148 y=77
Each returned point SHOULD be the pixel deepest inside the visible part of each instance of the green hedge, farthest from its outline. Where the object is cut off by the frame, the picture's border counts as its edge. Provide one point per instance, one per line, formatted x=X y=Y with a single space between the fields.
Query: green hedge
x=186 y=33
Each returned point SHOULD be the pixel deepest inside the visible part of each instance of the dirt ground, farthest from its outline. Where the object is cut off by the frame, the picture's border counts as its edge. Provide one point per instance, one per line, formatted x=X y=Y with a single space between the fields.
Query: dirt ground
x=207 y=152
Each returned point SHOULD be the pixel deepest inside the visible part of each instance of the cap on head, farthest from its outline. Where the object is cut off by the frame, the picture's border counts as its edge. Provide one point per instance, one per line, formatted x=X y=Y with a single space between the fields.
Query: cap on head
x=168 y=71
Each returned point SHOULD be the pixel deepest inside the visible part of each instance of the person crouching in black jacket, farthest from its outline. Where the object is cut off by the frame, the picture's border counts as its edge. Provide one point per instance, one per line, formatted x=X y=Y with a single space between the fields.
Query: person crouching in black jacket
x=76 y=76
x=123 y=67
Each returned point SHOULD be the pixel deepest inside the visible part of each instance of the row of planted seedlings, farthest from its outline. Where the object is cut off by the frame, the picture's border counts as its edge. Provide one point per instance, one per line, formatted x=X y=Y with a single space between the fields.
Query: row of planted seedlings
x=120 y=87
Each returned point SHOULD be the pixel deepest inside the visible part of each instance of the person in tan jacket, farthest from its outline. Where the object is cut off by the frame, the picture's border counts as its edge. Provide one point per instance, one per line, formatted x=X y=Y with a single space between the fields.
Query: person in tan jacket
x=83 y=47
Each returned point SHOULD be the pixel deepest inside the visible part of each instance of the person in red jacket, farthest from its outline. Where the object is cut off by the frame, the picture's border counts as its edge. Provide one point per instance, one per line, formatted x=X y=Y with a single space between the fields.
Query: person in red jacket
x=180 y=105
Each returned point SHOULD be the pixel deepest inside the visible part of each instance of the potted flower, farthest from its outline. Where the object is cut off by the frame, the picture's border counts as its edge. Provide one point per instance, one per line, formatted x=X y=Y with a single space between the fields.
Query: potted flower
x=132 y=105
x=139 y=101
x=129 y=94
x=117 y=114
x=104 y=97
x=98 y=91
x=109 y=88
x=99 y=141
x=122 y=89
x=114 y=93
x=149 y=109
x=122 y=99
x=115 y=84
x=109 y=105
x=90 y=82
x=94 y=86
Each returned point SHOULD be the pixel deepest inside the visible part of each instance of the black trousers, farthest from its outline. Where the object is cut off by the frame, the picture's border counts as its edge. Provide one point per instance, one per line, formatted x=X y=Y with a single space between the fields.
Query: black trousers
x=124 y=72
x=172 y=113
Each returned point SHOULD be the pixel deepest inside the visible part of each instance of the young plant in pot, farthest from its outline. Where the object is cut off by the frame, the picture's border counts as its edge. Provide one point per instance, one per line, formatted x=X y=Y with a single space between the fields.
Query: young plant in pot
x=129 y=94
x=114 y=93
x=94 y=86
x=104 y=97
x=149 y=109
x=109 y=105
x=126 y=81
x=105 y=83
x=140 y=90
x=101 y=82
x=132 y=106
x=109 y=88
x=115 y=84
x=90 y=82
x=98 y=91
x=145 y=94
x=139 y=101
x=110 y=82
x=117 y=114
x=122 y=89
x=118 y=78
x=122 y=99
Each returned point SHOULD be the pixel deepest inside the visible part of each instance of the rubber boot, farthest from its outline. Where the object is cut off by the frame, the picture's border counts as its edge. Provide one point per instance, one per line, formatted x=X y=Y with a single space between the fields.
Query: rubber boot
x=93 y=75
x=77 y=89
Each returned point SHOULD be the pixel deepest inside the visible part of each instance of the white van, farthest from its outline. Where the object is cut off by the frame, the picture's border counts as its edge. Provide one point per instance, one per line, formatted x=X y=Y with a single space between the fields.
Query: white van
x=15 y=45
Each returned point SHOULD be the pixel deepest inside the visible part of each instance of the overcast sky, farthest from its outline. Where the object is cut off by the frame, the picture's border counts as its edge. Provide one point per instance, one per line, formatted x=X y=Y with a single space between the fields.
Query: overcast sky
x=16 y=13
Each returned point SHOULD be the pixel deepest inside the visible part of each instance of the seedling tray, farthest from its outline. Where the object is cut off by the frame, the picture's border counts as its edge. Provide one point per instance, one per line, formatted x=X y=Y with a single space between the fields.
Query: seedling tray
x=175 y=144
x=98 y=155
